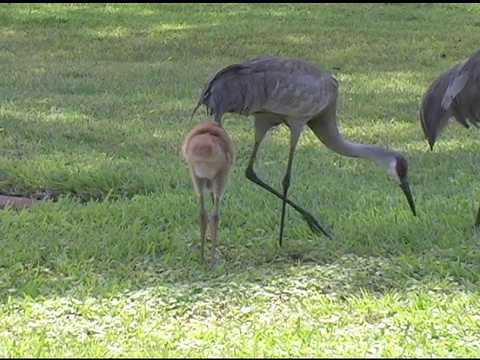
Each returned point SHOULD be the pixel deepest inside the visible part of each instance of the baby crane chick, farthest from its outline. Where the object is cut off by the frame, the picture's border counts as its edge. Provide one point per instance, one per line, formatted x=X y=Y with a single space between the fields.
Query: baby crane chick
x=209 y=152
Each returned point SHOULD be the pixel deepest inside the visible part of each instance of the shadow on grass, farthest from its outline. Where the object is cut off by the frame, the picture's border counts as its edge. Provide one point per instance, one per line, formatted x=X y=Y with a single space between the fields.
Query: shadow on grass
x=344 y=275
x=161 y=32
x=444 y=249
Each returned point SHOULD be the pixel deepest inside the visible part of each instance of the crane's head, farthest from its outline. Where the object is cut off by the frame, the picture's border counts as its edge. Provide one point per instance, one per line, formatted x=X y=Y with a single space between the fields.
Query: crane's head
x=398 y=168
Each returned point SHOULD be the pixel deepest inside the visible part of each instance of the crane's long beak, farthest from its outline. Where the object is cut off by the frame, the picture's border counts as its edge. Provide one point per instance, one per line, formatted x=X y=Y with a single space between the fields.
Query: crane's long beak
x=406 y=190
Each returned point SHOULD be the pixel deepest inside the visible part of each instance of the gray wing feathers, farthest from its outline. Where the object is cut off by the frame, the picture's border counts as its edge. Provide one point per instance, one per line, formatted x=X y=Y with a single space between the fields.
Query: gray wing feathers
x=236 y=92
x=454 y=89
x=455 y=93
x=289 y=87
x=233 y=89
x=301 y=96
x=464 y=91
x=433 y=118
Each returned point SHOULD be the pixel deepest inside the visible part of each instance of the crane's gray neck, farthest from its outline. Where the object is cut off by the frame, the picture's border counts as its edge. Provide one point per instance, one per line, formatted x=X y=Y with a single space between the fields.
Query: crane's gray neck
x=329 y=134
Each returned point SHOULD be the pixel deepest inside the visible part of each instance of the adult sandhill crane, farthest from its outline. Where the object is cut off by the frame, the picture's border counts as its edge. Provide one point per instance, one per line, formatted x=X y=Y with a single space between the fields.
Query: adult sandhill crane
x=455 y=93
x=294 y=92
x=210 y=154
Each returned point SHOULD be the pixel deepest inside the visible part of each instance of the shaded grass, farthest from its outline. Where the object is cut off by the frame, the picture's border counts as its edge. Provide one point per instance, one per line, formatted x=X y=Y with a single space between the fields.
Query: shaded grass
x=95 y=101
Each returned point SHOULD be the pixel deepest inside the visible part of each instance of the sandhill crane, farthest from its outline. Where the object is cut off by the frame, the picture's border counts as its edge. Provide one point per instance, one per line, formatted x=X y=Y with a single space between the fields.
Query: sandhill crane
x=210 y=154
x=294 y=92
x=454 y=93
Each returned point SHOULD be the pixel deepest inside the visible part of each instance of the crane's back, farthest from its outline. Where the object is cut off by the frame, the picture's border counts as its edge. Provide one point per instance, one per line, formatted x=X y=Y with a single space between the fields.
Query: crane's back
x=288 y=87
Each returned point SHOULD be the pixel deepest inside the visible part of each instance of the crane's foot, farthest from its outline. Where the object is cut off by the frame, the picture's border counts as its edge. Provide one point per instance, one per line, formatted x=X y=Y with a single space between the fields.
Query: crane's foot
x=211 y=266
x=314 y=225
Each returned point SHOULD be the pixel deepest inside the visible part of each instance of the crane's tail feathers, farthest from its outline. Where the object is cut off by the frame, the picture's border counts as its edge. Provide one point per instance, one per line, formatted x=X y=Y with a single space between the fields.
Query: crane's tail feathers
x=234 y=89
x=195 y=110
x=217 y=116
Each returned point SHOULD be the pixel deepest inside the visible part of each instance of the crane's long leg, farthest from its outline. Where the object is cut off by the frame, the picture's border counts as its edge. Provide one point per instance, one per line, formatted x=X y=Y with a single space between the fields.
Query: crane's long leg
x=200 y=185
x=477 y=222
x=295 y=131
x=202 y=222
x=262 y=125
x=214 y=220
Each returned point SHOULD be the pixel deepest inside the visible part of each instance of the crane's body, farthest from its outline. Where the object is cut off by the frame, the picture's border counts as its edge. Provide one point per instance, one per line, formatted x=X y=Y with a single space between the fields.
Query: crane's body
x=454 y=93
x=294 y=92
x=282 y=86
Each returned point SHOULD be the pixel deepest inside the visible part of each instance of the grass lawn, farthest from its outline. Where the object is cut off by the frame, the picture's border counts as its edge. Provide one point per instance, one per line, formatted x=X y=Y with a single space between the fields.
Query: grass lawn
x=94 y=103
